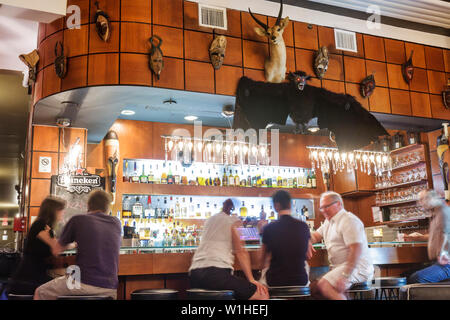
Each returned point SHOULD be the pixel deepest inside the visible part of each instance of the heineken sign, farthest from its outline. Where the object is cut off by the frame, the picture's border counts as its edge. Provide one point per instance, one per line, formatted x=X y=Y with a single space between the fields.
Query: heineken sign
x=81 y=182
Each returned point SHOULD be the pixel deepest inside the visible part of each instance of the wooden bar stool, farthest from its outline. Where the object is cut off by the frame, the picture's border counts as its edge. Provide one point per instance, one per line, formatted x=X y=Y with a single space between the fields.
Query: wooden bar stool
x=202 y=294
x=357 y=290
x=289 y=292
x=154 y=294
x=388 y=287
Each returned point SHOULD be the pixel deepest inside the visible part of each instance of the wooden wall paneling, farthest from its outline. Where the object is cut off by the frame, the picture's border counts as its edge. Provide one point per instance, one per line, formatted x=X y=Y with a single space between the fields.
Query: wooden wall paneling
x=359 y=46
x=395 y=77
x=39 y=189
x=447 y=60
x=297 y=154
x=335 y=69
x=134 y=69
x=134 y=37
x=315 y=82
x=172 y=75
x=172 y=45
x=168 y=13
x=45 y=138
x=52 y=83
x=172 y=262
x=233 y=24
x=97 y=45
x=49 y=47
x=305 y=36
x=438 y=109
x=379 y=70
x=288 y=33
x=84 y=11
x=364 y=181
x=196 y=45
x=34 y=211
x=418 y=55
x=419 y=81
x=226 y=79
x=436 y=81
x=432 y=139
x=255 y=54
x=41 y=32
x=290 y=60
x=141 y=133
x=354 y=90
x=142 y=282
x=233 y=53
x=257 y=75
x=365 y=210
x=37 y=87
x=178 y=282
x=374 y=48
x=136 y=10
x=136 y=264
x=400 y=102
x=35 y=168
x=395 y=51
x=248 y=26
x=355 y=69
x=335 y=86
x=304 y=61
x=434 y=160
x=103 y=69
x=435 y=58
x=76 y=73
x=110 y=7
x=95 y=155
x=76 y=41
x=420 y=104
x=41 y=52
x=326 y=38
x=344 y=182
x=54 y=26
x=199 y=76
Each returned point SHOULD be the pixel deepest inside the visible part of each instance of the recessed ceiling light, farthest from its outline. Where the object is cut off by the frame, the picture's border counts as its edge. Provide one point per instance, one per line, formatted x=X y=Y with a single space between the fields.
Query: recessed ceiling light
x=128 y=112
x=313 y=129
x=190 y=118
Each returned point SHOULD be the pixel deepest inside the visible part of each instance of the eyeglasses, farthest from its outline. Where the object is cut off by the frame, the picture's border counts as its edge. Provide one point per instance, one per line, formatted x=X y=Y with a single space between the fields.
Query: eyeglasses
x=327 y=206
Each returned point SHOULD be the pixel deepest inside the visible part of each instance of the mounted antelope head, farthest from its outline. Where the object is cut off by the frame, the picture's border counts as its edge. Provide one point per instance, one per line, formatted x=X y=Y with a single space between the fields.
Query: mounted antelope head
x=275 y=65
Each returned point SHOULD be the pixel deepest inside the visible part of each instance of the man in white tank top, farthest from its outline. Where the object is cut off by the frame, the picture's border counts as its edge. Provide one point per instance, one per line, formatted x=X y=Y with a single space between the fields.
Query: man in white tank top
x=212 y=263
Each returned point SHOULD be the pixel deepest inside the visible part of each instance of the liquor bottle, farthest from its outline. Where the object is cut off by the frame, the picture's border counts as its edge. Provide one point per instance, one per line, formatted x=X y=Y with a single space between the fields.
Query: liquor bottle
x=285 y=182
x=230 y=179
x=198 y=212
x=150 y=177
x=217 y=180
x=243 y=210
x=125 y=170
x=176 y=176
x=313 y=179
x=294 y=179
x=191 y=209
x=300 y=178
x=184 y=208
x=252 y=211
x=166 y=210
x=158 y=211
x=237 y=182
x=269 y=181
x=208 y=211
x=177 y=209
x=224 y=178
x=305 y=178
x=157 y=177
x=126 y=208
x=164 y=175
x=138 y=209
x=279 y=180
x=170 y=179
x=290 y=181
x=135 y=176
x=262 y=213
x=254 y=179
x=309 y=180
x=272 y=214
x=209 y=180
x=305 y=212
x=148 y=213
x=184 y=179
x=249 y=178
x=143 y=178
x=243 y=182
x=258 y=179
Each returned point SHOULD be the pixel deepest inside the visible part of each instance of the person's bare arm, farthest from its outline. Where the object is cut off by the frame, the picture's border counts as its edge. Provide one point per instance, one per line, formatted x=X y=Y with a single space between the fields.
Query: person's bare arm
x=355 y=251
x=264 y=257
x=315 y=237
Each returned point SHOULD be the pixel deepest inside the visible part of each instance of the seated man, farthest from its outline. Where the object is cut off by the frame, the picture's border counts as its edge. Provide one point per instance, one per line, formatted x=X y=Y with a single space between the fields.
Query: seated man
x=212 y=263
x=346 y=244
x=286 y=243
x=438 y=240
x=98 y=237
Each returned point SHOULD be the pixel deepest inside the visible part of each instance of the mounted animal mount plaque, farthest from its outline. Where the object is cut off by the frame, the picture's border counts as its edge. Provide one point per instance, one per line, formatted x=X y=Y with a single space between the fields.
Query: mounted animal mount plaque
x=60 y=61
x=102 y=24
x=112 y=155
x=156 y=62
x=275 y=65
x=408 y=69
x=31 y=60
x=321 y=62
x=446 y=95
x=217 y=51
x=367 y=86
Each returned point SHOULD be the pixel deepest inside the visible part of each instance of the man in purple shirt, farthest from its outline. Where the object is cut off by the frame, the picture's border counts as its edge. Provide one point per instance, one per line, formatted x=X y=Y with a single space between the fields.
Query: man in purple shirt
x=98 y=239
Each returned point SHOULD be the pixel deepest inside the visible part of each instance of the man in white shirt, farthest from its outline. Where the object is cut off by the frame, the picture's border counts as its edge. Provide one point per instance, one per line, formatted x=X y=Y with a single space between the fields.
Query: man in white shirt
x=346 y=244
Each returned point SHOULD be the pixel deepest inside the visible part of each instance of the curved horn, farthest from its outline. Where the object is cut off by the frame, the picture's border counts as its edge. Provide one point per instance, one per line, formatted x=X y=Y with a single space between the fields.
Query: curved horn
x=280 y=13
x=257 y=21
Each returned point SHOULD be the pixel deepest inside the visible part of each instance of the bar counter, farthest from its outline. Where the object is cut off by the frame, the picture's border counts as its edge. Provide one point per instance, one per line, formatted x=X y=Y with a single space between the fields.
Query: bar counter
x=167 y=267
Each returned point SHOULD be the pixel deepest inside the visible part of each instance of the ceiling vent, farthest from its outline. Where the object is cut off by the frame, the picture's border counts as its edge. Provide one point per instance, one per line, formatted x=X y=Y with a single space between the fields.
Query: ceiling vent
x=212 y=17
x=345 y=40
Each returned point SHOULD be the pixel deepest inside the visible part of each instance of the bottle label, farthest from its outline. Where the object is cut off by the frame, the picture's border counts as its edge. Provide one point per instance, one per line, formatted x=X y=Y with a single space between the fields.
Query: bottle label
x=137 y=210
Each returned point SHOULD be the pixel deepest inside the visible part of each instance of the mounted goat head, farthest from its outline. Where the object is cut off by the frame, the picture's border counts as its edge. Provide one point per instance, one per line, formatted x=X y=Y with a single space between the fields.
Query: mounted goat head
x=275 y=66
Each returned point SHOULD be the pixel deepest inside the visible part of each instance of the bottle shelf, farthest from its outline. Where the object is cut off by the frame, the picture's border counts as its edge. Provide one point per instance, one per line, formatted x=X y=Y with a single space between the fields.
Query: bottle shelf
x=407 y=166
x=407 y=148
x=395 y=203
x=392 y=222
x=406 y=184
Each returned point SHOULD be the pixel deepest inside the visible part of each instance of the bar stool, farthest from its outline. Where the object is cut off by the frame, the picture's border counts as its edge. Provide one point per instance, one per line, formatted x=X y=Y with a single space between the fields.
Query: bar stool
x=12 y=296
x=289 y=292
x=356 y=291
x=84 y=297
x=389 y=287
x=154 y=294
x=202 y=294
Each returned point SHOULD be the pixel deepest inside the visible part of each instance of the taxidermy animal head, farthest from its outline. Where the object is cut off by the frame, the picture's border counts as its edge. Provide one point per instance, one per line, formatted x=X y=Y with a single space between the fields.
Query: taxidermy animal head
x=275 y=65
x=217 y=51
x=321 y=62
x=408 y=69
x=102 y=24
x=367 y=86
x=156 y=62
x=299 y=78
